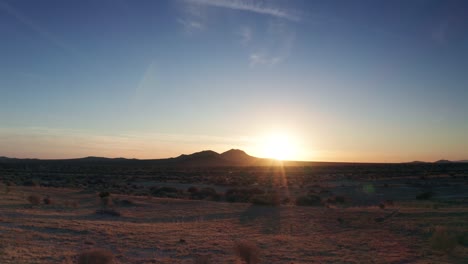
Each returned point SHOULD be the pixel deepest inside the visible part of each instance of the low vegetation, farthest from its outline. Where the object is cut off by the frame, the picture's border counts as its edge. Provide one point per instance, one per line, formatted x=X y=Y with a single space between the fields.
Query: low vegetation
x=96 y=256
x=248 y=252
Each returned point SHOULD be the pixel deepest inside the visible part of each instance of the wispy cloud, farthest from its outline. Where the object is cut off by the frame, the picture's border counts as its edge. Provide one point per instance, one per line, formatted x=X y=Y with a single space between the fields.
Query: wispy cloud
x=246 y=35
x=249 y=6
x=190 y=25
x=263 y=59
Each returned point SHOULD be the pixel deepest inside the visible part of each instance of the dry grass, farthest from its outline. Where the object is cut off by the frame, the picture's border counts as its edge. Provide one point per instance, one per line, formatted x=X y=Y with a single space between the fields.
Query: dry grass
x=151 y=231
x=96 y=256
x=443 y=239
x=202 y=259
x=248 y=252
x=34 y=199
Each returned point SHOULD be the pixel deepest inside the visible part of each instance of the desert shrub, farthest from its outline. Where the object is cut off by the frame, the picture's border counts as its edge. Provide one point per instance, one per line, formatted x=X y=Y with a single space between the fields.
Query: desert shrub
x=272 y=198
x=248 y=252
x=34 y=199
x=104 y=194
x=192 y=189
x=462 y=239
x=47 y=200
x=96 y=256
x=242 y=195
x=425 y=195
x=337 y=199
x=308 y=200
x=202 y=259
x=169 y=192
x=32 y=183
x=443 y=240
x=123 y=202
x=109 y=212
x=205 y=193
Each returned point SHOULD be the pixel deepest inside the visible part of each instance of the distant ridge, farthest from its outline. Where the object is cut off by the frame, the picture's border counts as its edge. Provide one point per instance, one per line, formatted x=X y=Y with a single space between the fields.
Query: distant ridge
x=205 y=158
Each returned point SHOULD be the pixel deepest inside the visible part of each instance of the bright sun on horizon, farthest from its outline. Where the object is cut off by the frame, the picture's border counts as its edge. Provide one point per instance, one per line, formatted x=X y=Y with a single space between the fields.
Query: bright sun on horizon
x=280 y=147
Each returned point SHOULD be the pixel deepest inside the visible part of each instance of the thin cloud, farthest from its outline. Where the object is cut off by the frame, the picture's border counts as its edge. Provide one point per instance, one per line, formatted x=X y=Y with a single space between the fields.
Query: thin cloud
x=249 y=6
x=246 y=35
x=263 y=59
x=191 y=25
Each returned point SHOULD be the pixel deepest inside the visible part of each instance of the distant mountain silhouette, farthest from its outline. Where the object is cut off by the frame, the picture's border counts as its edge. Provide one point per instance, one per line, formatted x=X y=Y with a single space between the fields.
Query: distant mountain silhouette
x=443 y=161
x=417 y=162
x=206 y=158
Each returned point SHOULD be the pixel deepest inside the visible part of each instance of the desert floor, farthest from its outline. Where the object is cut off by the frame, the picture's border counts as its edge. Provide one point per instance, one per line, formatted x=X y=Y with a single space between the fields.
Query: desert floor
x=156 y=230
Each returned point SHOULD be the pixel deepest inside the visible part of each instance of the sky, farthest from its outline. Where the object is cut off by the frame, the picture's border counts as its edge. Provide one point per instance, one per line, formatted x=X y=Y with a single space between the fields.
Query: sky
x=373 y=81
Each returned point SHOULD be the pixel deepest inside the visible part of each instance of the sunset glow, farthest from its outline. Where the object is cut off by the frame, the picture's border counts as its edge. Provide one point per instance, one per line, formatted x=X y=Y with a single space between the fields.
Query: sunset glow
x=279 y=147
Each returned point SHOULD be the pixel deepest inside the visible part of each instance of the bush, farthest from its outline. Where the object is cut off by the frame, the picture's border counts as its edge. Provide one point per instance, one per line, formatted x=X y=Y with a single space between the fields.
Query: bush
x=34 y=199
x=248 y=252
x=443 y=240
x=96 y=256
x=425 y=195
x=109 y=212
x=242 y=195
x=47 y=200
x=337 y=199
x=169 y=192
x=192 y=189
x=272 y=198
x=309 y=200
x=202 y=259
x=205 y=193
x=104 y=194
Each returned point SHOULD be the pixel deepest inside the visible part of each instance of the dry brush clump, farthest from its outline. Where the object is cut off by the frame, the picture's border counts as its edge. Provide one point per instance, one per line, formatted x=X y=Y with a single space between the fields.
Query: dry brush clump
x=443 y=239
x=96 y=256
x=108 y=212
x=34 y=199
x=248 y=252
x=202 y=259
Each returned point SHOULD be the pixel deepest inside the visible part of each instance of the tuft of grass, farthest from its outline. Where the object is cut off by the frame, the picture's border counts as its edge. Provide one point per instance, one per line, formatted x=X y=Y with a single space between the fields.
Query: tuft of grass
x=34 y=199
x=47 y=200
x=248 y=252
x=202 y=259
x=309 y=200
x=443 y=239
x=425 y=195
x=110 y=212
x=96 y=256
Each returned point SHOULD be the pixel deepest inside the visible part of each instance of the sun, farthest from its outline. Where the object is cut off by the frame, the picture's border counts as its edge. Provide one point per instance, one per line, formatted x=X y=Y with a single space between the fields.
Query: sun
x=278 y=147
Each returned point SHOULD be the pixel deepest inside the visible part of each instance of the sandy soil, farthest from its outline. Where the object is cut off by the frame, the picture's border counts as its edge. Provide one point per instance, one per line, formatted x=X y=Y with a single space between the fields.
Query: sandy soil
x=154 y=230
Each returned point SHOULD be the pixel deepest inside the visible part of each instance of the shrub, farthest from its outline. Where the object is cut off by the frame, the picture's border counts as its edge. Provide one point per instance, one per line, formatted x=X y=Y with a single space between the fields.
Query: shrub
x=242 y=195
x=202 y=259
x=192 y=189
x=425 y=195
x=169 y=192
x=47 y=200
x=308 y=200
x=272 y=198
x=104 y=194
x=205 y=193
x=34 y=199
x=110 y=212
x=248 y=252
x=443 y=240
x=337 y=199
x=96 y=256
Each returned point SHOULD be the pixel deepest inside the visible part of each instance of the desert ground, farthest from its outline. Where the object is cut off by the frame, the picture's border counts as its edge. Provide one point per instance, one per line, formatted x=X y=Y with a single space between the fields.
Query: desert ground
x=149 y=229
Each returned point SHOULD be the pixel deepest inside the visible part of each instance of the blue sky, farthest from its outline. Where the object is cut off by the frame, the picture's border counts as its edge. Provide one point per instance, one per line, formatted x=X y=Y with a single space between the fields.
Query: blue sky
x=344 y=80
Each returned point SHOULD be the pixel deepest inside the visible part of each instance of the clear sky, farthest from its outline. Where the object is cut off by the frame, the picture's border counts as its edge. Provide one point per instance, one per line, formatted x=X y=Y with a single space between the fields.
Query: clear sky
x=342 y=80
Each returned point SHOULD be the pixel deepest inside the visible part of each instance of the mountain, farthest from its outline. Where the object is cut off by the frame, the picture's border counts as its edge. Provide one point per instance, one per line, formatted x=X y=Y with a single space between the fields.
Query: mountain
x=202 y=158
x=443 y=161
x=238 y=156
